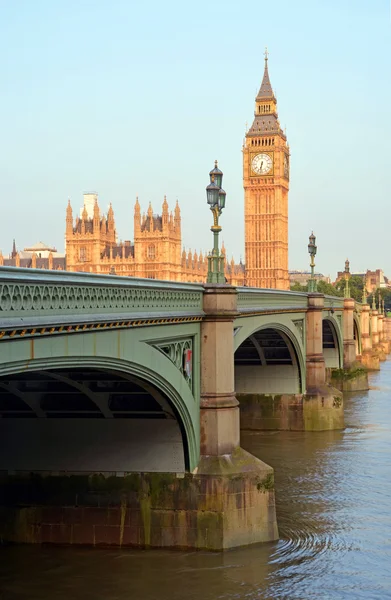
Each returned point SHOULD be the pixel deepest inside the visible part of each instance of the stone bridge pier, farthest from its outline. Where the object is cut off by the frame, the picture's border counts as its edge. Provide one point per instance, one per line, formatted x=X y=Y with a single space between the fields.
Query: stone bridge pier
x=238 y=488
x=369 y=357
x=323 y=404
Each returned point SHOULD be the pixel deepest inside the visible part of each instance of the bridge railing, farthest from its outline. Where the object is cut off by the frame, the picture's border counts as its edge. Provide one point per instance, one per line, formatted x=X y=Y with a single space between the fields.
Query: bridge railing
x=333 y=302
x=27 y=295
x=255 y=299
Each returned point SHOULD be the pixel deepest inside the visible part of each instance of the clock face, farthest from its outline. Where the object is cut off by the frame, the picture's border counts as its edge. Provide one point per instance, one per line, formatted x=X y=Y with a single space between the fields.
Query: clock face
x=286 y=166
x=262 y=164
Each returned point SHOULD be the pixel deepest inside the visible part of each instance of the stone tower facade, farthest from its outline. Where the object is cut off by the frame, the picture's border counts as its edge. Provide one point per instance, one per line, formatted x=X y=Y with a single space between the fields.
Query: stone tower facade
x=156 y=253
x=266 y=186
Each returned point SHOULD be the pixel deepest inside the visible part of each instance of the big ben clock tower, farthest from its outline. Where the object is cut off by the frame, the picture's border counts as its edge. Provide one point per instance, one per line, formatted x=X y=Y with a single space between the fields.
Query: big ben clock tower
x=266 y=185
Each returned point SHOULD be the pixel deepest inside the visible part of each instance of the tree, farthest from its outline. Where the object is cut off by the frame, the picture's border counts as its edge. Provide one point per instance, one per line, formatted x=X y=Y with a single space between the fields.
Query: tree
x=297 y=287
x=328 y=289
x=356 y=284
x=385 y=294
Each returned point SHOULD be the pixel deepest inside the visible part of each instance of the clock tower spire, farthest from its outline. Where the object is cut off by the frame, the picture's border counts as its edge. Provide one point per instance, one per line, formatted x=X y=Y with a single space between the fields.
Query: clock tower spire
x=266 y=186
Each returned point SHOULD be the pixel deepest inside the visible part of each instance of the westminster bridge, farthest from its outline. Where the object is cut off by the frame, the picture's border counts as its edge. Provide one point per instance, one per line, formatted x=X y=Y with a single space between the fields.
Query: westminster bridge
x=121 y=403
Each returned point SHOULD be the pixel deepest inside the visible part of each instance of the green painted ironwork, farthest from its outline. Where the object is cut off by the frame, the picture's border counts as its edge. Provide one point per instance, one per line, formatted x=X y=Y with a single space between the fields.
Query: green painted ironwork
x=175 y=350
x=129 y=351
x=32 y=293
x=253 y=299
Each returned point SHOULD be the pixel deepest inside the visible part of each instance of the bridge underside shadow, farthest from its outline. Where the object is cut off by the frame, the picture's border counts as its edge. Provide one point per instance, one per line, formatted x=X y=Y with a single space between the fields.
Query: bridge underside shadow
x=332 y=345
x=88 y=420
x=270 y=384
x=266 y=362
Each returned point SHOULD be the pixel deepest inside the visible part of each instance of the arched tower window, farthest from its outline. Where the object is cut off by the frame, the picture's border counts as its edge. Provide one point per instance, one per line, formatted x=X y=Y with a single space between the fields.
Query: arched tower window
x=151 y=253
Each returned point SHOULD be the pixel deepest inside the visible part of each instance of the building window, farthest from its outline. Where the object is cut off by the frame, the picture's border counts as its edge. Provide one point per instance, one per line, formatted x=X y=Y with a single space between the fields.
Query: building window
x=151 y=252
x=83 y=254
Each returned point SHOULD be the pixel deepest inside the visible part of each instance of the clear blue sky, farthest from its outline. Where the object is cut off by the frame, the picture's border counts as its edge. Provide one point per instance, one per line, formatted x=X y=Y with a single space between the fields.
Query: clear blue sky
x=126 y=98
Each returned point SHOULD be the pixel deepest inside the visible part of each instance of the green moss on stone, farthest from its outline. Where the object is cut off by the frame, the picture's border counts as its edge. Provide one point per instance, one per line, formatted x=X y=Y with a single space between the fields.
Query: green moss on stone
x=266 y=484
x=345 y=374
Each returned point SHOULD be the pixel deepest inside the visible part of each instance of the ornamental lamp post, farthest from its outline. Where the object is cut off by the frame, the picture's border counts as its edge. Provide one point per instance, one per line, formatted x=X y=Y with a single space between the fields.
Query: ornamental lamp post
x=364 y=290
x=215 y=197
x=312 y=248
x=347 y=277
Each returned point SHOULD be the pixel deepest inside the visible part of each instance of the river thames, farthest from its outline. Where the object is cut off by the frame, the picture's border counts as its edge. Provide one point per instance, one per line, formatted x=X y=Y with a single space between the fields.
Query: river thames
x=333 y=494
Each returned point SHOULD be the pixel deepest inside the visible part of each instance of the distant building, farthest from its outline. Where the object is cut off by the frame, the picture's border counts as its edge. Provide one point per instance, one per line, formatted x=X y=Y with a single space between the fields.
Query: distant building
x=38 y=256
x=92 y=246
x=156 y=252
x=374 y=279
x=302 y=277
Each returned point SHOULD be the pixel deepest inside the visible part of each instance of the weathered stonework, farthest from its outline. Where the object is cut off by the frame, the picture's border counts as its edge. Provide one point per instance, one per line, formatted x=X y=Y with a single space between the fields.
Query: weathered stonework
x=292 y=412
x=229 y=502
x=354 y=379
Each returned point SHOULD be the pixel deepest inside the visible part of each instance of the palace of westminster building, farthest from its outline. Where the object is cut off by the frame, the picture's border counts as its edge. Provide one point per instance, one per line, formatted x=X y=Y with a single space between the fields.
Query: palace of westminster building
x=156 y=252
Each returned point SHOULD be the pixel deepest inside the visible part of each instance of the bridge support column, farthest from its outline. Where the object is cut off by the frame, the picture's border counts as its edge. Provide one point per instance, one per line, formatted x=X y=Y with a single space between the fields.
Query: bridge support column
x=238 y=489
x=387 y=328
x=376 y=345
x=383 y=342
x=323 y=404
x=349 y=345
x=353 y=377
x=374 y=330
x=369 y=359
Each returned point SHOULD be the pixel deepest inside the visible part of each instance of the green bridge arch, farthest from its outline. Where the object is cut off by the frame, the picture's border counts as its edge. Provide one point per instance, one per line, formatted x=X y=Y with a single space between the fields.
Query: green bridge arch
x=292 y=327
x=139 y=352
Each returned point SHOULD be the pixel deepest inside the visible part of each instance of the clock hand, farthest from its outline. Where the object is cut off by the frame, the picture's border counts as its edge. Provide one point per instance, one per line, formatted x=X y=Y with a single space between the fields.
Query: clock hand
x=261 y=164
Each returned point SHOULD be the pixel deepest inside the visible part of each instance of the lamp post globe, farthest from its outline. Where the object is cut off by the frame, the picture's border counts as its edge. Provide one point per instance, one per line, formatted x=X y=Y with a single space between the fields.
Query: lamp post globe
x=215 y=197
x=212 y=194
x=222 y=196
x=216 y=175
x=312 y=248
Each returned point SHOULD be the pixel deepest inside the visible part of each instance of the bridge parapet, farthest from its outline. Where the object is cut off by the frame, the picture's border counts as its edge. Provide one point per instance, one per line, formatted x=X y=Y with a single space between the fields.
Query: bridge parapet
x=31 y=297
x=252 y=300
x=333 y=302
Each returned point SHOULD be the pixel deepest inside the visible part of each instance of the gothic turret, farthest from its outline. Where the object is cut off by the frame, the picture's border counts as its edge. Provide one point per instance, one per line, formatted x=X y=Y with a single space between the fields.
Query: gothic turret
x=69 y=218
x=177 y=214
x=165 y=211
x=96 y=216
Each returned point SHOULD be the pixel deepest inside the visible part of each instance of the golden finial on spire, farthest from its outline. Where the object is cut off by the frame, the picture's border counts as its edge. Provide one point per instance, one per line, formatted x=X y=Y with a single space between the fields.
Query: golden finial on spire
x=215 y=163
x=266 y=54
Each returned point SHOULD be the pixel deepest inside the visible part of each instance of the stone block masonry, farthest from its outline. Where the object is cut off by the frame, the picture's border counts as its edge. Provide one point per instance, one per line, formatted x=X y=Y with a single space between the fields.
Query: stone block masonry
x=209 y=510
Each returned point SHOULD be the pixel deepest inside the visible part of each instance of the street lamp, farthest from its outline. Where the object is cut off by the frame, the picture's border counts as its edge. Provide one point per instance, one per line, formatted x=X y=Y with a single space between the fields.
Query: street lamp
x=312 y=284
x=215 y=197
x=347 y=277
x=364 y=290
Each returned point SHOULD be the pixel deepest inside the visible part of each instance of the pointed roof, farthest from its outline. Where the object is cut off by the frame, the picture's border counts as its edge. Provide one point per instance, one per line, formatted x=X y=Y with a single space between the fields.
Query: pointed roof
x=265 y=123
x=266 y=90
